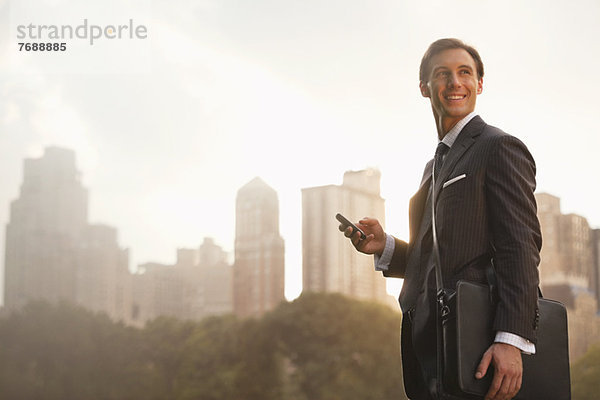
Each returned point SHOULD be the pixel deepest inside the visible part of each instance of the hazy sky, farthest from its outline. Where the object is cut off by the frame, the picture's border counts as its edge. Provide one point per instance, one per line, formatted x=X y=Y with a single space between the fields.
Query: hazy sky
x=167 y=129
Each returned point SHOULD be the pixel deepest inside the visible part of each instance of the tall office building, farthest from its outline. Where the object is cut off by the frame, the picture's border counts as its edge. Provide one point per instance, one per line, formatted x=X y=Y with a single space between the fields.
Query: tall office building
x=52 y=253
x=259 y=250
x=551 y=266
x=43 y=236
x=329 y=262
x=578 y=247
x=567 y=251
x=568 y=272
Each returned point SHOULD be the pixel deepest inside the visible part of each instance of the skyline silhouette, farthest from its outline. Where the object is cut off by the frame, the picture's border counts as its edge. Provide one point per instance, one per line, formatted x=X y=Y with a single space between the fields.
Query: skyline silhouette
x=82 y=200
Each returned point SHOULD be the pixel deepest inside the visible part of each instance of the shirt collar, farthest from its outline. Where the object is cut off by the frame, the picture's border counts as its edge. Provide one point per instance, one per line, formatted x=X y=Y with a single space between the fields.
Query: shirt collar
x=452 y=134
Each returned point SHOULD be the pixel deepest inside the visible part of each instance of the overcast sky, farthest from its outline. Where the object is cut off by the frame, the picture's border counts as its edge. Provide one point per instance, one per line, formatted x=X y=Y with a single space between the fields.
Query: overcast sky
x=166 y=129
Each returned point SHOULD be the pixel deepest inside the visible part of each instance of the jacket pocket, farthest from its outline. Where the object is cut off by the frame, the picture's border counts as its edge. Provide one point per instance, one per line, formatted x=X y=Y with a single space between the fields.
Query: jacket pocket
x=453 y=180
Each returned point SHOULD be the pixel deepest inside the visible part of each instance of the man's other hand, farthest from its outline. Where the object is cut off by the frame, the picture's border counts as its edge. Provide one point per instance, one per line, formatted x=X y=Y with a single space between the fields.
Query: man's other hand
x=508 y=371
x=374 y=243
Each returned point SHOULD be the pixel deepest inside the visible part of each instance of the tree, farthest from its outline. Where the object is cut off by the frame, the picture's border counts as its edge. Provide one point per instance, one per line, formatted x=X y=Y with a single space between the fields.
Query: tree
x=62 y=352
x=585 y=376
x=164 y=350
x=319 y=347
x=212 y=361
x=338 y=348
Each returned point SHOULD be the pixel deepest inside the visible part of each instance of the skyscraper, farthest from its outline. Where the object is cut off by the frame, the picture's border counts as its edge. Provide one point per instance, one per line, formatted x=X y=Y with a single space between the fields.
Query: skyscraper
x=567 y=251
x=43 y=236
x=259 y=250
x=567 y=270
x=52 y=253
x=329 y=262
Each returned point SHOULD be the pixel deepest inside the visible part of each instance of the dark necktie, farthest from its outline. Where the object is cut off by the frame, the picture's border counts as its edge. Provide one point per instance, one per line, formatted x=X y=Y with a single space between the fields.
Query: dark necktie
x=440 y=151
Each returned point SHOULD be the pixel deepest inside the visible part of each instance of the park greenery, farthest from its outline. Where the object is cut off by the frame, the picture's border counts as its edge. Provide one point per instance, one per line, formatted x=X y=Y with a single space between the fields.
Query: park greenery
x=585 y=376
x=318 y=347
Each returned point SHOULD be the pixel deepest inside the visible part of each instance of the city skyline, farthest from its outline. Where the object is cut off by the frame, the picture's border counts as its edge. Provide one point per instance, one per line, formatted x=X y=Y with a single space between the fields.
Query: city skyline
x=54 y=254
x=394 y=286
x=295 y=93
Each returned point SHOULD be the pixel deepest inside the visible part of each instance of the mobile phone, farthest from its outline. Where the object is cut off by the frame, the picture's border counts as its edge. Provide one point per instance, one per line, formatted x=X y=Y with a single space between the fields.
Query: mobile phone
x=344 y=221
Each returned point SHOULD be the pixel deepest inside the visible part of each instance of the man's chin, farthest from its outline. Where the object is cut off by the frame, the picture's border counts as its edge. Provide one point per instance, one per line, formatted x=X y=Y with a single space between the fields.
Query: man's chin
x=459 y=112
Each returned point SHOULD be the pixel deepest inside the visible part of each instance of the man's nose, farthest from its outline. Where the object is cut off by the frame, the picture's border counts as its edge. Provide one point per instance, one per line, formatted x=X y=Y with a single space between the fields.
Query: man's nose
x=453 y=80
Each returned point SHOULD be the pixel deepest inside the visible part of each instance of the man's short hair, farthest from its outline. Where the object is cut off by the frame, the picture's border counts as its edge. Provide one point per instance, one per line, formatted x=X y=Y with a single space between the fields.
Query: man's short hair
x=446 y=44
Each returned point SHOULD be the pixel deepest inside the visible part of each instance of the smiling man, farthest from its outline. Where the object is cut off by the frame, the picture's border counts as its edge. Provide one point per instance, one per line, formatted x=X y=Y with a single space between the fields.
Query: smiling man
x=485 y=211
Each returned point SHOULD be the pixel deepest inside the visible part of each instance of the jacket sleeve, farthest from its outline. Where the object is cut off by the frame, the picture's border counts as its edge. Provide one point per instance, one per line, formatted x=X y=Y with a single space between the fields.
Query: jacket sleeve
x=515 y=235
x=398 y=264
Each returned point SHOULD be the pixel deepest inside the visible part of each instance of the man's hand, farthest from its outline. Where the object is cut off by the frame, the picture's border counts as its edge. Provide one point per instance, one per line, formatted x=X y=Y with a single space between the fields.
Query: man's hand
x=508 y=371
x=374 y=243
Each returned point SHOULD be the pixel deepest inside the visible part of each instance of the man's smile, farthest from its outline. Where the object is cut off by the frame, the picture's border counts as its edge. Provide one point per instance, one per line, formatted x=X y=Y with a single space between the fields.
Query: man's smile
x=455 y=96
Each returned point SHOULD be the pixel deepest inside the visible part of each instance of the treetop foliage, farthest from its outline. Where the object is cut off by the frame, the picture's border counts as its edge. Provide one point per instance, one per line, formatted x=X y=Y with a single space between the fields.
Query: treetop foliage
x=318 y=347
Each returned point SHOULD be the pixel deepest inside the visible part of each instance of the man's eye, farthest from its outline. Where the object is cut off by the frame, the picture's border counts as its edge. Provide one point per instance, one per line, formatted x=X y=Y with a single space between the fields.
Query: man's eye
x=465 y=72
x=442 y=74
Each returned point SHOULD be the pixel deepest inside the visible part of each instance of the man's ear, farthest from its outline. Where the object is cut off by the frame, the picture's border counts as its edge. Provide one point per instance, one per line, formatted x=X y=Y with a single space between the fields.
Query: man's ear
x=424 y=89
x=480 y=85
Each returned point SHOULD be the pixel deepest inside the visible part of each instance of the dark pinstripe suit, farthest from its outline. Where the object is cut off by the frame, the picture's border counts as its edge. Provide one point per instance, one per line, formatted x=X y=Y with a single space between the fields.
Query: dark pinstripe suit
x=490 y=211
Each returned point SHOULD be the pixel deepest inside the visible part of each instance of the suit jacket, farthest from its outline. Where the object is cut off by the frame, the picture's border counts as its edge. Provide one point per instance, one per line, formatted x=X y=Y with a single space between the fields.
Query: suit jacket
x=485 y=207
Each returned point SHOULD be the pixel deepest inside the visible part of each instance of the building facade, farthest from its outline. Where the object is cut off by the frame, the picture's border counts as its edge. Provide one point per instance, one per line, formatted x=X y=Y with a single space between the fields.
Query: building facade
x=52 y=252
x=259 y=250
x=217 y=279
x=43 y=234
x=103 y=277
x=329 y=262
x=569 y=271
x=198 y=285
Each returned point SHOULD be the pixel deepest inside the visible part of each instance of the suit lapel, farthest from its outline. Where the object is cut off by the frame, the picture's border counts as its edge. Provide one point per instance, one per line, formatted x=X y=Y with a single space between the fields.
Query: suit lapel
x=465 y=139
x=417 y=202
x=426 y=175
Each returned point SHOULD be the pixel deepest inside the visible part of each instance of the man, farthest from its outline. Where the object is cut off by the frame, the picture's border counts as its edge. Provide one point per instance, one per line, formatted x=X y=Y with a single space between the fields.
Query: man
x=485 y=209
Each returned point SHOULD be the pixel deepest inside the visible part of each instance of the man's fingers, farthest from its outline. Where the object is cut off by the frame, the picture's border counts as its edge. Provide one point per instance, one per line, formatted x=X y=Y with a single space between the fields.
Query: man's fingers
x=358 y=240
x=495 y=387
x=347 y=230
x=354 y=236
x=373 y=240
x=504 y=386
x=368 y=221
x=508 y=371
x=361 y=244
x=483 y=365
x=514 y=388
x=518 y=384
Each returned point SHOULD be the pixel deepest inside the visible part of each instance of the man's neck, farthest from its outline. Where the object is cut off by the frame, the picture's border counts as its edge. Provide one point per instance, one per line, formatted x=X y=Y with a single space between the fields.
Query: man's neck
x=444 y=124
x=450 y=137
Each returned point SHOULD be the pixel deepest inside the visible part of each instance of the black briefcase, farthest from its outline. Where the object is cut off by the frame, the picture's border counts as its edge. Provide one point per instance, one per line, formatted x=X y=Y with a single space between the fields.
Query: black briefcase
x=464 y=332
x=467 y=334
